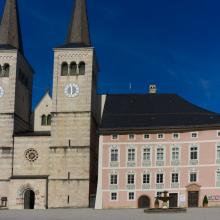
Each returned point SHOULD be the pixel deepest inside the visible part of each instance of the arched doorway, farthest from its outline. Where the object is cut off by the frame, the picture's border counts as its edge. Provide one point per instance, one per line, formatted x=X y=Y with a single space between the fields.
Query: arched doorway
x=144 y=202
x=29 y=199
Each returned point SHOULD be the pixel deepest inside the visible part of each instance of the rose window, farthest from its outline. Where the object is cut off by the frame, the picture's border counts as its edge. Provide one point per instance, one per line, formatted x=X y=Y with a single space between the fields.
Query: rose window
x=31 y=155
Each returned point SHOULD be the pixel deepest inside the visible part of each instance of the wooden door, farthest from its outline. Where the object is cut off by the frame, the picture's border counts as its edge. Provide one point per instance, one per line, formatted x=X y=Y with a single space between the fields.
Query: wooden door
x=29 y=199
x=173 y=203
x=144 y=202
x=193 y=199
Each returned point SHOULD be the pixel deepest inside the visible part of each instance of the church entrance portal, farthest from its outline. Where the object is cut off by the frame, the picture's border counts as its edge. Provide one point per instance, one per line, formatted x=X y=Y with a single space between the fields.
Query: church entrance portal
x=29 y=199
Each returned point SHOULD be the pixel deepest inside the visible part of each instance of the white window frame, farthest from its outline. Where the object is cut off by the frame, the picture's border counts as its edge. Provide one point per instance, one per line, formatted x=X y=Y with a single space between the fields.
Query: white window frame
x=134 y=196
x=216 y=152
x=171 y=152
x=131 y=173
x=171 y=177
x=111 y=196
x=142 y=155
x=164 y=152
x=218 y=133
x=216 y=179
x=174 y=138
x=160 y=173
x=195 y=132
x=113 y=147
x=189 y=153
x=163 y=136
x=116 y=174
x=128 y=148
x=146 y=173
x=197 y=176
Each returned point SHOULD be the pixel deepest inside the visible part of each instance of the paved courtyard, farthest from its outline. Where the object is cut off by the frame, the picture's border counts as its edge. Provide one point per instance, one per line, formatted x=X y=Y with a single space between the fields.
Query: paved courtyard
x=85 y=214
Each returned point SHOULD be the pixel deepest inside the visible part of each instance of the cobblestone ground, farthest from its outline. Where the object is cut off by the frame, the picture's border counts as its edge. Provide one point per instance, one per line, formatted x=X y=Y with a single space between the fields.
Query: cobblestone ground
x=84 y=214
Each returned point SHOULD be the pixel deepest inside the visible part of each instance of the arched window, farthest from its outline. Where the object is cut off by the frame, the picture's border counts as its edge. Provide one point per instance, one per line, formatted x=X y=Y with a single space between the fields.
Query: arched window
x=73 y=69
x=64 y=69
x=82 y=68
x=6 y=70
x=44 y=120
x=49 y=120
x=0 y=71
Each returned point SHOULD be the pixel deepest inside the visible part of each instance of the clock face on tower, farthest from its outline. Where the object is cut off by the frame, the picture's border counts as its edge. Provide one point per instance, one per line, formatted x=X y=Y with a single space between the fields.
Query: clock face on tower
x=71 y=90
x=1 y=92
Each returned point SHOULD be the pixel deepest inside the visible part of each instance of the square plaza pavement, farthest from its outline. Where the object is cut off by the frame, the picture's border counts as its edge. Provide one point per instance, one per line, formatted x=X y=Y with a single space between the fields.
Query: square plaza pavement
x=89 y=214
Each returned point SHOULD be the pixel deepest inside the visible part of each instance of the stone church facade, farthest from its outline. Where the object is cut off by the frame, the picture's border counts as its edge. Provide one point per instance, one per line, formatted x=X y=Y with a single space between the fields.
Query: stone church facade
x=48 y=158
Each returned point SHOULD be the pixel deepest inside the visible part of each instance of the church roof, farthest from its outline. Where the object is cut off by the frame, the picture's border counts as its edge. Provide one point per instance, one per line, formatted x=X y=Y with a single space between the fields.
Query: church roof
x=10 y=31
x=154 y=112
x=78 y=33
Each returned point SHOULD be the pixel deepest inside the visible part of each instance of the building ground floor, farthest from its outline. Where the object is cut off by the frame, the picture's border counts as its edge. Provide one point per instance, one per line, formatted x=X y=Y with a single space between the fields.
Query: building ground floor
x=191 y=196
x=40 y=192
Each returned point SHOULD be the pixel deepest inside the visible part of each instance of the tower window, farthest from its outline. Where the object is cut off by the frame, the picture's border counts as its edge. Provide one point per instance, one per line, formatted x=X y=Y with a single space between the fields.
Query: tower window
x=1 y=71
x=82 y=68
x=73 y=69
x=44 y=120
x=6 y=70
x=49 y=120
x=64 y=69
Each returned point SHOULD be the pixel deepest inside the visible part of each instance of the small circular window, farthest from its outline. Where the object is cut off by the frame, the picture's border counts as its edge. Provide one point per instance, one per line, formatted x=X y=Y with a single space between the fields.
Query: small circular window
x=31 y=155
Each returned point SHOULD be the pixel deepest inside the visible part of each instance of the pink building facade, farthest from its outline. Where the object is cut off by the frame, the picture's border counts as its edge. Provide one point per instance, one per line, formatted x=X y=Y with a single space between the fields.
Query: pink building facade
x=135 y=167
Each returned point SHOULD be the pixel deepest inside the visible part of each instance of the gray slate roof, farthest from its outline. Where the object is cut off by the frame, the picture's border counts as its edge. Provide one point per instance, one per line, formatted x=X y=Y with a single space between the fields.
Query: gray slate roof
x=153 y=112
x=10 y=31
x=78 y=33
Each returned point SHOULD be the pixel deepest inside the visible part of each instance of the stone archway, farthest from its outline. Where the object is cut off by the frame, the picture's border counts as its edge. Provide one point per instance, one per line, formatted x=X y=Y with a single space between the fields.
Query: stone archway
x=193 y=193
x=144 y=202
x=29 y=199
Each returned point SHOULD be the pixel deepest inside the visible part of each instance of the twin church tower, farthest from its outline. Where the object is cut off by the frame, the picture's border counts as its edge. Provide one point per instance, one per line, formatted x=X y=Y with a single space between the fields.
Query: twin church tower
x=55 y=166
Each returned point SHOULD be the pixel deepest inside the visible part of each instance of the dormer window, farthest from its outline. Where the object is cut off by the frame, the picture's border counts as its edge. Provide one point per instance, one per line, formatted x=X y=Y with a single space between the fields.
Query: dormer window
x=194 y=134
x=115 y=137
x=146 y=136
x=160 y=136
x=131 y=136
x=176 y=136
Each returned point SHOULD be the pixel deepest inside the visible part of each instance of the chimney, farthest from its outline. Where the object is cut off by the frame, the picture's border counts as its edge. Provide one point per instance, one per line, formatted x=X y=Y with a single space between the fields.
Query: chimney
x=152 y=89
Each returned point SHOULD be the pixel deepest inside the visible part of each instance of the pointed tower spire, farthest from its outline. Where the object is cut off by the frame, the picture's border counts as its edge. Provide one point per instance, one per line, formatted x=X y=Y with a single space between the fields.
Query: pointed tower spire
x=10 y=31
x=79 y=27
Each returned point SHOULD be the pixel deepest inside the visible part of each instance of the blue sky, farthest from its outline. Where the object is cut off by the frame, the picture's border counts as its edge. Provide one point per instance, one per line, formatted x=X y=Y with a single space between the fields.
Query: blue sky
x=173 y=43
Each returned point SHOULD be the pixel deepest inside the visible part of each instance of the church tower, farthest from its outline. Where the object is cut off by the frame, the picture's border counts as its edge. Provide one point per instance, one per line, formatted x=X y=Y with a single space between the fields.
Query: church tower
x=15 y=90
x=76 y=115
x=15 y=78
